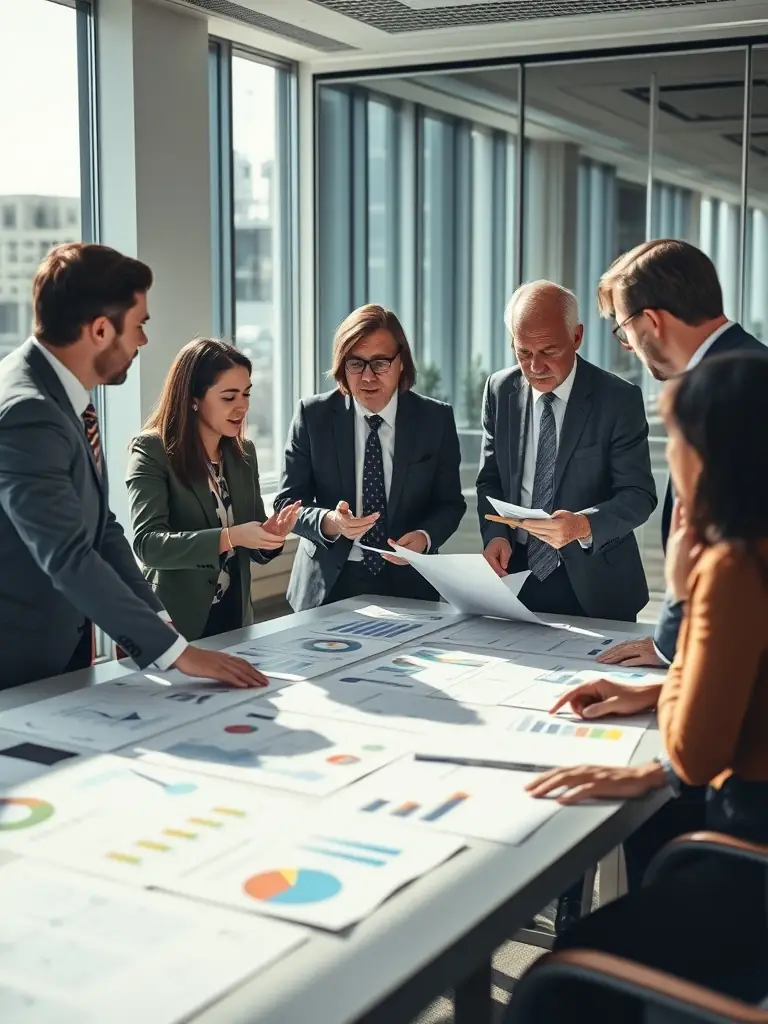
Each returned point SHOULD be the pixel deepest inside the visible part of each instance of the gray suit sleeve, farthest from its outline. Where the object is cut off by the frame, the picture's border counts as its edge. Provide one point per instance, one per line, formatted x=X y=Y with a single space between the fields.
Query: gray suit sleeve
x=488 y=477
x=39 y=497
x=155 y=543
x=668 y=627
x=298 y=481
x=116 y=550
x=634 y=491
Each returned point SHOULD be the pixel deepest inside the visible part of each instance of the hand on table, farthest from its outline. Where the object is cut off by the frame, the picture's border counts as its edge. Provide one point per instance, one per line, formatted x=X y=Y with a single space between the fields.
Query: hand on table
x=497 y=554
x=413 y=541
x=683 y=552
x=563 y=528
x=224 y=668
x=632 y=653
x=341 y=522
x=600 y=697
x=282 y=523
x=597 y=782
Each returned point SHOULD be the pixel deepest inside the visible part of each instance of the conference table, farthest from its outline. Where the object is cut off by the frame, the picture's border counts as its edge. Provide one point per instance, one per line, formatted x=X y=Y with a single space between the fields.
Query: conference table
x=438 y=933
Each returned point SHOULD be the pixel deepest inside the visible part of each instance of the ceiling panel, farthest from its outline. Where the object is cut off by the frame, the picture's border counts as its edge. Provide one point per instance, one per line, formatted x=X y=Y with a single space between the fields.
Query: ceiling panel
x=235 y=12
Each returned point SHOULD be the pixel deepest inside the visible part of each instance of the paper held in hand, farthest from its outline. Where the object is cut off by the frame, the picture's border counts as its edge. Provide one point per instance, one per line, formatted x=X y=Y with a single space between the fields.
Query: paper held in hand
x=517 y=512
x=469 y=584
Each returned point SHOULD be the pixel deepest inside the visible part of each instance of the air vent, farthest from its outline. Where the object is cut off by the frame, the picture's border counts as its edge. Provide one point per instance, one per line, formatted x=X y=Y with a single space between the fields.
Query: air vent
x=279 y=28
x=393 y=16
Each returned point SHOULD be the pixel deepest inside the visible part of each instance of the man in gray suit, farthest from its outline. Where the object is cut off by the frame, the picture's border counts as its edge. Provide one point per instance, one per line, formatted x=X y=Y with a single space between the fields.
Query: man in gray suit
x=66 y=562
x=667 y=302
x=562 y=435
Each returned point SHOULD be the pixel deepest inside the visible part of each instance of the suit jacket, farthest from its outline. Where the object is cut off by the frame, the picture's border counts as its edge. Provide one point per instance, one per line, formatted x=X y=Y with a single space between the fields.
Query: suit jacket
x=603 y=460
x=319 y=470
x=735 y=339
x=65 y=558
x=176 y=530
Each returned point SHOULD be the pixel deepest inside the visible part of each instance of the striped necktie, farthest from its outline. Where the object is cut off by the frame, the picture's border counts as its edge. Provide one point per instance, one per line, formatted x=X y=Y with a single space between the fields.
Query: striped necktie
x=543 y=558
x=91 y=422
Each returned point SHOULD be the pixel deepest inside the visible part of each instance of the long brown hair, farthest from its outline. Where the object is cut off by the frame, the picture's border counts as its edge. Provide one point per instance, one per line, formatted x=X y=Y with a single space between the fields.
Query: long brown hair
x=361 y=323
x=196 y=368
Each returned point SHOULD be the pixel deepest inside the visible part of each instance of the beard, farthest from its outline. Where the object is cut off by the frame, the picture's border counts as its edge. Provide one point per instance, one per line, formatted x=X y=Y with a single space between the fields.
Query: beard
x=653 y=359
x=112 y=364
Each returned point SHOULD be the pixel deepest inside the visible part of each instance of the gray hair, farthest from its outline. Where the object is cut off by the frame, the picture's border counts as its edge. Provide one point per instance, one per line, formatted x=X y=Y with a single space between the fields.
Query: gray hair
x=535 y=291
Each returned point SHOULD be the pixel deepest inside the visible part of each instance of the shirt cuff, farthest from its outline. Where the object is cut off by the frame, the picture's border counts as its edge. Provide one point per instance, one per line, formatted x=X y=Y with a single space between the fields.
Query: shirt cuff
x=177 y=648
x=586 y=542
x=429 y=541
x=669 y=774
x=661 y=654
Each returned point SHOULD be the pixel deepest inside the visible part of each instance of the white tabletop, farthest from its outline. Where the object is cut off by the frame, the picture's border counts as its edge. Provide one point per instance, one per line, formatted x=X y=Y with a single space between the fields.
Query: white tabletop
x=489 y=889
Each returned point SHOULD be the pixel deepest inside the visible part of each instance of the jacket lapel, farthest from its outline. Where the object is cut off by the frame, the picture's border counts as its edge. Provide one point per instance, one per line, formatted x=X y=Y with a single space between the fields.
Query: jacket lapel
x=405 y=437
x=344 y=436
x=519 y=403
x=202 y=490
x=238 y=477
x=576 y=415
x=47 y=377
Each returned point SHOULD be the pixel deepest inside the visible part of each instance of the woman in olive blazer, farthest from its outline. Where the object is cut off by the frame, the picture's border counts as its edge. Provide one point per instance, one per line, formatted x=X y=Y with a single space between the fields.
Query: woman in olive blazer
x=193 y=482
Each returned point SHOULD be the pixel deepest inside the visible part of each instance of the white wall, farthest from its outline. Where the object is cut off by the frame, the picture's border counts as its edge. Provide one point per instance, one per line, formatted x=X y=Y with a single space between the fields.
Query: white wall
x=155 y=191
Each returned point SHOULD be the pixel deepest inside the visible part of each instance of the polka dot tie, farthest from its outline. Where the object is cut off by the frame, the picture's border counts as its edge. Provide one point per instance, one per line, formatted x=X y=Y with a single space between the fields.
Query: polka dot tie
x=374 y=496
x=91 y=422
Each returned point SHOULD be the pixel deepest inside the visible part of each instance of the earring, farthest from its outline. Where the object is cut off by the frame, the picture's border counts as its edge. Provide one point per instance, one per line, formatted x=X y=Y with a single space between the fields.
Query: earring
x=194 y=408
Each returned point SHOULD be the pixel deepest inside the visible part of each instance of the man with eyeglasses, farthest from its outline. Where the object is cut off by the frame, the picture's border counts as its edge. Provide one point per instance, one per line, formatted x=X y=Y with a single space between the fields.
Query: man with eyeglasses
x=371 y=462
x=667 y=302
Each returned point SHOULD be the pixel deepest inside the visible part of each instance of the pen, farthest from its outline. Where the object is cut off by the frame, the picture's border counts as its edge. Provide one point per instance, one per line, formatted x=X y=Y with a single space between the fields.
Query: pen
x=484 y=762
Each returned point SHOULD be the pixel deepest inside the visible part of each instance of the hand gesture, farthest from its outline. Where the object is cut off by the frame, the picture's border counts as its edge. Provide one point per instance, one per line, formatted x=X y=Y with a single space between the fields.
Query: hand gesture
x=600 y=697
x=563 y=528
x=497 y=554
x=683 y=552
x=224 y=668
x=632 y=653
x=282 y=523
x=255 y=537
x=341 y=522
x=413 y=541
x=595 y=782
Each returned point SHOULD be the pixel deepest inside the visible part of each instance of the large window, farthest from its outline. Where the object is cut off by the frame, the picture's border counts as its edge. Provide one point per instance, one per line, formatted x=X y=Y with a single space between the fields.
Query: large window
x=252 y=130
x=41 y=136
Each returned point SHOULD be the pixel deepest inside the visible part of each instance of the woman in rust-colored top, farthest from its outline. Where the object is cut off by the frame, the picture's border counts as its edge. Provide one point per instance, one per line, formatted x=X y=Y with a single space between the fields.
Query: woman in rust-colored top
x=707 y=921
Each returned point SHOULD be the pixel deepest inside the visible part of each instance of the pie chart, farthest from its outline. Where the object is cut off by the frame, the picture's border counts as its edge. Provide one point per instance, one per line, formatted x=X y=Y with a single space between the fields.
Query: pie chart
x=332 y=646
x=22 y=812
x=292 y=886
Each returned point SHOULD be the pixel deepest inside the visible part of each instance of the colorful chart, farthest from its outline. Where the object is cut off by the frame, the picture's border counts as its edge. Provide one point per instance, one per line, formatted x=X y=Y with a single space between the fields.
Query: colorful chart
x=332 y=646
x=411 y=807
x=292 y=885
x=167 y=839
x=377 y=629
x=442 y=657
x=567 y=729
x=34 y=812
x=343 y=759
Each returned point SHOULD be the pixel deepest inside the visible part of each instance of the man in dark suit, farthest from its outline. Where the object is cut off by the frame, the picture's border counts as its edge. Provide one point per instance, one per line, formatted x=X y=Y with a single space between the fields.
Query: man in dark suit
x=66 y=562
x=371 y=461
x=667 y=302
x=562 y=435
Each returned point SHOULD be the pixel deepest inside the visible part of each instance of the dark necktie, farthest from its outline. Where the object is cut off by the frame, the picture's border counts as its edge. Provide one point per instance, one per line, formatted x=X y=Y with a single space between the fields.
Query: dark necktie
x=374 y=496
x=93 y=434
x=543 y=558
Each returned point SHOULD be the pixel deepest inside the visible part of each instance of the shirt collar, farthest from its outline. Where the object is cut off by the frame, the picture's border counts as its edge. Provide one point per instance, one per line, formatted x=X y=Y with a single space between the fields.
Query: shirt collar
x=388 y=413
x=562 y=391
x=78 y=396
x=707 y=344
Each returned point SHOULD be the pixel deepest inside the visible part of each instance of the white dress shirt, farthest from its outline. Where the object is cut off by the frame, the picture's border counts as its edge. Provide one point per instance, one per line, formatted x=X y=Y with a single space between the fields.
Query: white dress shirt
x=695 y=359
x=387 y=440
x=562 y=393
x=80 y=399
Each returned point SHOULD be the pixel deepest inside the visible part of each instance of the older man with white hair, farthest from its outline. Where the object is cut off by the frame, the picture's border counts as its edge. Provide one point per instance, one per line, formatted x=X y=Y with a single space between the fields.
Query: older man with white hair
x=562 y=435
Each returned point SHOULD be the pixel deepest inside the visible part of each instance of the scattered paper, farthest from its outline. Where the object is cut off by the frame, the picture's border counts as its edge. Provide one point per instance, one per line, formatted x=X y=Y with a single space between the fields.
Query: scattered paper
x=22 y=760
x=335 y=875
x=76 y=950
x=560 y=639
x=469 y=584
x=510 y=511
x=257 y=743
x=484 y=803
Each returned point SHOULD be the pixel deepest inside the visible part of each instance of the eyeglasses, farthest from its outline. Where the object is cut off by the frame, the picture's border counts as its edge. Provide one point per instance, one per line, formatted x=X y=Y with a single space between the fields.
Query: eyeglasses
x=618 y=331
x=378 y=365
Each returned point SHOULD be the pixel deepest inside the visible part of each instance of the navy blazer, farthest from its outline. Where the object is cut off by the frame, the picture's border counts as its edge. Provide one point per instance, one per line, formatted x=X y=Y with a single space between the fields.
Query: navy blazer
x=735 y=339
